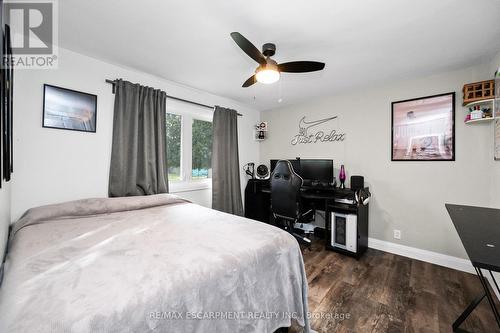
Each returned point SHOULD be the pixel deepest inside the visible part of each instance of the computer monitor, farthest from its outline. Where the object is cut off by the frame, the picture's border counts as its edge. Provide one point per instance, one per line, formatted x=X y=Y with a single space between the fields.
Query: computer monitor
x=295 y=165
x=317 y=170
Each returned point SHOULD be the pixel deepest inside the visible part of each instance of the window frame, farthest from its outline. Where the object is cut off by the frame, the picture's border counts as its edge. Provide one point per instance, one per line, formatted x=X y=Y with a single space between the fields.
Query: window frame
x=187 y=183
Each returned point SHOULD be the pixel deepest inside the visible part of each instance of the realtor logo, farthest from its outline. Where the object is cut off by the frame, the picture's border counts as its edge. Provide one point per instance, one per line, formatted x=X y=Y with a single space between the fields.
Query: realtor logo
x=33 y=33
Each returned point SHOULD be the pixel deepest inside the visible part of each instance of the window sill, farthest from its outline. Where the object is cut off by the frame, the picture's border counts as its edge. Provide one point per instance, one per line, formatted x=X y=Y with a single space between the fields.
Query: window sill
x=195 y=185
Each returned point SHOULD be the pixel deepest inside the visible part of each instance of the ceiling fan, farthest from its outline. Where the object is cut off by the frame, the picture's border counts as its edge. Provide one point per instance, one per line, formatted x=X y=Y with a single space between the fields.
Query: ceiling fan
x=269 y=70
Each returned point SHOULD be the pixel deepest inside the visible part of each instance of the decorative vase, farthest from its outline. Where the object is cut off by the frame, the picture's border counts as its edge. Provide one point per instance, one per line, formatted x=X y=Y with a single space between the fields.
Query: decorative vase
x=342 y=177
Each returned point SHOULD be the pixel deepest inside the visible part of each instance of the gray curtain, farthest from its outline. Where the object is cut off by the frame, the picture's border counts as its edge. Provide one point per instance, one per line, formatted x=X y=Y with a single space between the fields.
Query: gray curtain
x=226 y=189
x=139 y=154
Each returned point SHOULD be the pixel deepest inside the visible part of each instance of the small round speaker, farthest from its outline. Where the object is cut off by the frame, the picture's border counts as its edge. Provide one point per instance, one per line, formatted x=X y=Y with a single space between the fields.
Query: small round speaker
x=262 y=171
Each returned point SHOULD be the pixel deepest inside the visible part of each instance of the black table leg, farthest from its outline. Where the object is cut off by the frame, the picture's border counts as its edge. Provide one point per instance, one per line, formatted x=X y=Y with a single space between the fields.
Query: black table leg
x=475 y=303
x=484 y=282
x=466 y=313
x=495 y=281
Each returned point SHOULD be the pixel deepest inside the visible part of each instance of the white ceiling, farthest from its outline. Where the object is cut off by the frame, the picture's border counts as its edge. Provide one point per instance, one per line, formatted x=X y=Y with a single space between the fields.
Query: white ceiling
x=361 y=42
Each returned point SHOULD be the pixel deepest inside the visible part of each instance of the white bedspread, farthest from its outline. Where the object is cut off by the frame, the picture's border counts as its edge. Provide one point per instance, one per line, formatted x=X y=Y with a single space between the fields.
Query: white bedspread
x=154 y=263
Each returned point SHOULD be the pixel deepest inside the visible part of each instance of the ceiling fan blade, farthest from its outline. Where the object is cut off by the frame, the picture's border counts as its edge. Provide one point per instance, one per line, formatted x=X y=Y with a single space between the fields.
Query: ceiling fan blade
x=251 y=80
x=248 y=48
x=301 y=66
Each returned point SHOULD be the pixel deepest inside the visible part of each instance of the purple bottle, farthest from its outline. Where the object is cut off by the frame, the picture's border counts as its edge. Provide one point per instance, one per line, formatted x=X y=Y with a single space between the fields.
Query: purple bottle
x=342 y=177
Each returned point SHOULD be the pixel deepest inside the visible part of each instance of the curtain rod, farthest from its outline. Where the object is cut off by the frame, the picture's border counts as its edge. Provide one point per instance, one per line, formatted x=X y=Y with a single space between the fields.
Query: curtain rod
x=113 y=82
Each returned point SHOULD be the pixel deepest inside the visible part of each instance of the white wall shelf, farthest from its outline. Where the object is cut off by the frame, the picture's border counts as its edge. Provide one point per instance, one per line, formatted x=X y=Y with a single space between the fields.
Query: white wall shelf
x=490 y=104
x=484 y=101
x=482 y=120
x=260 y=131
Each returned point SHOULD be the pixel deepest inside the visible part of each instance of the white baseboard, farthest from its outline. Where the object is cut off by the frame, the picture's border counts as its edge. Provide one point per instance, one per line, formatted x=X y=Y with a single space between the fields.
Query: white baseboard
x=440 y=259
x=423 y=255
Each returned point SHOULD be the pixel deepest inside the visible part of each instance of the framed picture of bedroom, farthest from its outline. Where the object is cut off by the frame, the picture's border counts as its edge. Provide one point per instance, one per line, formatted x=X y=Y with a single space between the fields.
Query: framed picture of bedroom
x=69 y=109
x=423 y=129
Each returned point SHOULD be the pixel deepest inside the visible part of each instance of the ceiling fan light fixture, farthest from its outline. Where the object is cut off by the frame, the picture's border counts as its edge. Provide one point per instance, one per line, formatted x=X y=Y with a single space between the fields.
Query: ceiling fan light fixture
x=269 y=70
x=267 y=75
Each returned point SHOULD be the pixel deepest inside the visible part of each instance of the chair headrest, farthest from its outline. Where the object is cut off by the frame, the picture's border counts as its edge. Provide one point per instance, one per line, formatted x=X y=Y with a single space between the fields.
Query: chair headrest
x=284 y=169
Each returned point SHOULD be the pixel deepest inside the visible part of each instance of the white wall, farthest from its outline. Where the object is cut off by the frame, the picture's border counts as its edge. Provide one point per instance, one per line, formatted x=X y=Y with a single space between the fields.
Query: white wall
x=408 y=196
x=57 y=165
x=495 y=63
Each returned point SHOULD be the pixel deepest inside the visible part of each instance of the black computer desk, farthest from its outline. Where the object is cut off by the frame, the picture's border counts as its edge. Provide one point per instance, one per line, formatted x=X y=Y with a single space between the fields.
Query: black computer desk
x=479 y=231
x=258 y=207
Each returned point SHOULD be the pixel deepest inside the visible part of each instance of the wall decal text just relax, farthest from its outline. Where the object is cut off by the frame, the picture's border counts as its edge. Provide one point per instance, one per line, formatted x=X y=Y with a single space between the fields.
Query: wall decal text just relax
x=307 y=133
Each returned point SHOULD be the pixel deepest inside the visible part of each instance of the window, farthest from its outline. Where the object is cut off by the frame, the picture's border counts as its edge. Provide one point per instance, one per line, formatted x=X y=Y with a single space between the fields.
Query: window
x=174 y=146
x=189 y=150
x=201 y=149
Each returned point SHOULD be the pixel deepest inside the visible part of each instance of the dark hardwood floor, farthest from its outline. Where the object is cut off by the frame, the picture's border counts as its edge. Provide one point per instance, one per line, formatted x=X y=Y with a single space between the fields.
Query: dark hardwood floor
x=383 y=292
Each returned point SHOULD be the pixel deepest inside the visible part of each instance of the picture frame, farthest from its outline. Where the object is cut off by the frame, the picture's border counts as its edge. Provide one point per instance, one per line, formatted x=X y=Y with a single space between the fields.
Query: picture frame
x=2 y=85
x=496 y=115
x=423 y=128
x=69 y=109
x=6 y=107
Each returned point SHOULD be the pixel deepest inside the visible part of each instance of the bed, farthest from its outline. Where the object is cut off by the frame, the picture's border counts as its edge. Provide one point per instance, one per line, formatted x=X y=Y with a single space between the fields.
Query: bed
x=155 y=263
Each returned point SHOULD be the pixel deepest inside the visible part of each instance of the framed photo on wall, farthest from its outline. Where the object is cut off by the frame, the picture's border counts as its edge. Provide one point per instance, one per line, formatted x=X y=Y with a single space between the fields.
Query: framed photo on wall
x=6 y=107
x=423 y=129
x=497 y=117
x=69 y=109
